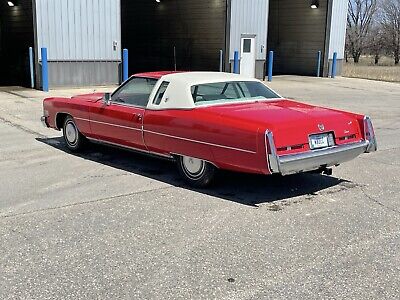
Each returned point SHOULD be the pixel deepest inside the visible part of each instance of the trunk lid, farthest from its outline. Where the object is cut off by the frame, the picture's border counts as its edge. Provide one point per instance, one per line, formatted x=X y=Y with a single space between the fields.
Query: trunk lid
x=291 y=122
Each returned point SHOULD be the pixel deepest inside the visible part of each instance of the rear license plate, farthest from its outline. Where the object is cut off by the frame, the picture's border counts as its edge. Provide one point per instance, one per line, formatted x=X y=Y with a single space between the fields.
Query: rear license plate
x=319 y=141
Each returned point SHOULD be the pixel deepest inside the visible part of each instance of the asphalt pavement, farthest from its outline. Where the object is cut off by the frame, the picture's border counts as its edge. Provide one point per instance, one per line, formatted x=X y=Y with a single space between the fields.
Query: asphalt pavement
x=111 y=224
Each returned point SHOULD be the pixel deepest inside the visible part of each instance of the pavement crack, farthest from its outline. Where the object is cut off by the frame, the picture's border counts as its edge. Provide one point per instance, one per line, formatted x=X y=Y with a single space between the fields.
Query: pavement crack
x=376 y=201
x=80 y=203
x=20 y=127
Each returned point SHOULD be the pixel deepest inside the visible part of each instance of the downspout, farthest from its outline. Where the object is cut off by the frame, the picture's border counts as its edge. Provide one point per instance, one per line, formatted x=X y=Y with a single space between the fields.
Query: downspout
x=227 y=49
x=325 y=69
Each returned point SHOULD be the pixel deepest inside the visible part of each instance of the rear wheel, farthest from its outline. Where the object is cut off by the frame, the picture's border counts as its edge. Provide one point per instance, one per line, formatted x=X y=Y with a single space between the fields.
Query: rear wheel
x=72 y=137
x=196 y=172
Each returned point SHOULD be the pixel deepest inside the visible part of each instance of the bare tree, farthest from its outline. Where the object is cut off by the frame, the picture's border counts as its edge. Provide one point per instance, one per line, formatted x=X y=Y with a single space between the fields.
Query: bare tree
x=390 y=19
x=359 y=22
x=376 y=42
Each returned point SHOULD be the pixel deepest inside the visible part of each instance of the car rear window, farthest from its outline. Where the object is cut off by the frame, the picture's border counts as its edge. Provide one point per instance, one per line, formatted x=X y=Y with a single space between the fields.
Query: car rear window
x=226 y=92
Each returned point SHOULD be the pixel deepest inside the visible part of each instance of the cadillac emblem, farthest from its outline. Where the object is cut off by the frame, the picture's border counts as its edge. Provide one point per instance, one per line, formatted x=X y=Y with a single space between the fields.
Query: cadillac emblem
x=321 y=127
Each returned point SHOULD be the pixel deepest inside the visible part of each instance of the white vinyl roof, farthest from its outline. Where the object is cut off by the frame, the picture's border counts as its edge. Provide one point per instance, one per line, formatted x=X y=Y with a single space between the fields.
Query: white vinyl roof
x=178 y=94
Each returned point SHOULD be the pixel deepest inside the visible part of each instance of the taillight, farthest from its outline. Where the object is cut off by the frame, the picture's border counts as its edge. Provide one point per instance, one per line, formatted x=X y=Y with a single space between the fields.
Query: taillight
x=369 y=135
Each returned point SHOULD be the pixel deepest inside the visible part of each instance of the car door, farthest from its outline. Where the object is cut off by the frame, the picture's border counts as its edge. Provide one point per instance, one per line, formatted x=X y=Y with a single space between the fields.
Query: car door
x=121 y=121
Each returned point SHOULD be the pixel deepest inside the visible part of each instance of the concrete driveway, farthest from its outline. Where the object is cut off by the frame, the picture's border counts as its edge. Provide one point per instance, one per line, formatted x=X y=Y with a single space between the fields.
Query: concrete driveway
x=111 y=224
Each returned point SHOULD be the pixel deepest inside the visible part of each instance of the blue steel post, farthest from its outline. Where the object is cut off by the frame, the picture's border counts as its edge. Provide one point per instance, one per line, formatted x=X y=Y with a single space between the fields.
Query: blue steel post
x=334 y=65
x=221 y=60
x=45 y=71
x=31 y=67
x=125 y=63
x=319 y=63
x=270 y=64
x=236 y=63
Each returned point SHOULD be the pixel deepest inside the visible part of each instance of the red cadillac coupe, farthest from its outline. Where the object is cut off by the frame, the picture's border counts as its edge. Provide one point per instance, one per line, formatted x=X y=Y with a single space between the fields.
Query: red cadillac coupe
x=207 y=121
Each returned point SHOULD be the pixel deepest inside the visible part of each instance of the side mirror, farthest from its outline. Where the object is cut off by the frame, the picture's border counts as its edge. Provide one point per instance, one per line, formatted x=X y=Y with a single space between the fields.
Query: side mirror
x=107 y=99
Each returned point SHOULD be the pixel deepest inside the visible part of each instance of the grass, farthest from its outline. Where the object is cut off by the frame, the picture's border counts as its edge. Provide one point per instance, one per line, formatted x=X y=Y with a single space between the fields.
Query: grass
x=384 y=71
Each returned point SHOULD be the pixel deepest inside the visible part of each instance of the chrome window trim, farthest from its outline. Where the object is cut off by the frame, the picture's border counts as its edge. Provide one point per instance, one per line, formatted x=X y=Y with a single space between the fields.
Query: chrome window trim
x=127 y=105
x=124 y=84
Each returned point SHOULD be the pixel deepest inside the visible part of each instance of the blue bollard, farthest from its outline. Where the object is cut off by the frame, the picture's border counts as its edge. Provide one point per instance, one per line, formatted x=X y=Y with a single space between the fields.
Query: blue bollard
x=31 y=67
x=125 y=65
x=236 y=63
x=221 y=60
x=334 y=65
x=45 y=71
x=270 y=64
x=319 y=57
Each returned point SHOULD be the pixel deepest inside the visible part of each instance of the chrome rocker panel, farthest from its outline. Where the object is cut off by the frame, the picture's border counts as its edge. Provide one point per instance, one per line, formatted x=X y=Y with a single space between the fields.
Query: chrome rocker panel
x=313 y=160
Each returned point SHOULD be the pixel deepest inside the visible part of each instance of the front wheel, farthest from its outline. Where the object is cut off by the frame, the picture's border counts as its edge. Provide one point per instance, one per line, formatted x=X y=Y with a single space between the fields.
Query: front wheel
x=72 y=137
x=196 y=172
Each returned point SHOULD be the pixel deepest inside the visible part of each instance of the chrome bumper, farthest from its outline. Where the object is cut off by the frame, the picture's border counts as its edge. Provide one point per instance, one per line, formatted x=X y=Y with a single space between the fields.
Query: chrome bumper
x=43 y=119
x=313 y=160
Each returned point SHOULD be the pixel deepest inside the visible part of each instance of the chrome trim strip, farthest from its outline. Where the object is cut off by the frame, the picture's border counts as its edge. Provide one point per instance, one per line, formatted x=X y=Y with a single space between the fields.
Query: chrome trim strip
x=170 y=136
x=109 y=124
x=56 y=116
x=199 y=142
x=130 y=148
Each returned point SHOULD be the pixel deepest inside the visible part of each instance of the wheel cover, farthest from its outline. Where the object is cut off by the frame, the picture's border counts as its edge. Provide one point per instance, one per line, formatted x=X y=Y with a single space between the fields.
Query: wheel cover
x=193 y=167
x=71 y=133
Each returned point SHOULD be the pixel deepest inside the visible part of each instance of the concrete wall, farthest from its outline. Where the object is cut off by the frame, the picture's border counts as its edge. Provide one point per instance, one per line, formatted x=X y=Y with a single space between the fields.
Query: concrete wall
x=83 y=39
x=296 y=34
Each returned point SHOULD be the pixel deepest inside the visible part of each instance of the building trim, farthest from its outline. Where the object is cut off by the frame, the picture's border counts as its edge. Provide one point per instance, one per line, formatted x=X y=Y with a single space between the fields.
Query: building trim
x=325 y=64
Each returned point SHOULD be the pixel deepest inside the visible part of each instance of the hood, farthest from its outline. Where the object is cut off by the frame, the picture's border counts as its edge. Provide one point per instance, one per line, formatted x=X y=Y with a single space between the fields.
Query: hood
x=291 y=122
x=93 y=97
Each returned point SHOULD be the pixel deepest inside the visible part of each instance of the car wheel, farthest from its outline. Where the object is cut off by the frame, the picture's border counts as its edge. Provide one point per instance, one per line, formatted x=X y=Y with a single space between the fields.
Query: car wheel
x=196 y=172
x=72 y=137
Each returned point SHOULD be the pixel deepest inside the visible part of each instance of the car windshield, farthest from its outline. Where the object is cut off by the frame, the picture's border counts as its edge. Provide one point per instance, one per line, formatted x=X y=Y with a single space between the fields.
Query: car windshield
x=228 y=92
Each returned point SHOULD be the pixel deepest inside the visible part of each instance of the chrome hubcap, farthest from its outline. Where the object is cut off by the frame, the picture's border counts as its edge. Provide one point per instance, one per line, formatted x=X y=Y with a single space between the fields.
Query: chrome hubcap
x=71 y=133
x=193 y=167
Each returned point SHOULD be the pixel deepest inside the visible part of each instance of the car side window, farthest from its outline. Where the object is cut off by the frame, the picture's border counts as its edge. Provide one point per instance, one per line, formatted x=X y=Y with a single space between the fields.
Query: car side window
x=213 y=91
x=135 y=92
x=160 y=93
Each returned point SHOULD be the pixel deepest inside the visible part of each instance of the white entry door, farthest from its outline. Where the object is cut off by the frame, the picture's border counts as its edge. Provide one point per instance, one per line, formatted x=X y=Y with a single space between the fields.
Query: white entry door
x=248 y=57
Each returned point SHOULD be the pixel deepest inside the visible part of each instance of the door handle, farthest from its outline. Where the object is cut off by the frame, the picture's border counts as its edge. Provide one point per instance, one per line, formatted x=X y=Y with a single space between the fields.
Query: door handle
x=138 y=117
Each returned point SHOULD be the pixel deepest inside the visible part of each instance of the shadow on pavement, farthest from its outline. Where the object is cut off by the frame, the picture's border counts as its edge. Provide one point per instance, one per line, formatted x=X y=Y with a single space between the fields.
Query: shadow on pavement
x=246 y=189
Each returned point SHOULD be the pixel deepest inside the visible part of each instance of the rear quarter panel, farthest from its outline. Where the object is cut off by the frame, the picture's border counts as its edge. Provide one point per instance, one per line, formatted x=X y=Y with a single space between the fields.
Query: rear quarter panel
x=232 y=145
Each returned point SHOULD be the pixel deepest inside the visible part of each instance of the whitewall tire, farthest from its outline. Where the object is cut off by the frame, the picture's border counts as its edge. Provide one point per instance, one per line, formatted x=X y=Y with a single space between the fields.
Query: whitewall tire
x=72 y=137
x=196 y=172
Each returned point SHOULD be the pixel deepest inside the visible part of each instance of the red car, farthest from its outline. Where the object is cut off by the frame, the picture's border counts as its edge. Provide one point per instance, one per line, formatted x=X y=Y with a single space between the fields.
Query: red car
x=208 y=121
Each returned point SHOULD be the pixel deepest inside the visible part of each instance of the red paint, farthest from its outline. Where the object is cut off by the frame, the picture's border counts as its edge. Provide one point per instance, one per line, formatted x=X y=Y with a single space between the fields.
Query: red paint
x=232 y=136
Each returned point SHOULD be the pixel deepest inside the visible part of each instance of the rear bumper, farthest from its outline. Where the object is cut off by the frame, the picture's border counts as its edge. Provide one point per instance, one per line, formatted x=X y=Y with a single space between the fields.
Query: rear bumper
x=313 y=160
